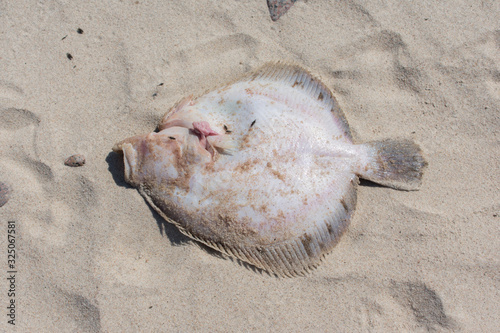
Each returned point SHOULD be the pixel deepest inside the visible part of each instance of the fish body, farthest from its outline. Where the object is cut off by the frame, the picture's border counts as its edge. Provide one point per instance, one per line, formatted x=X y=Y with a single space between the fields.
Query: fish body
x=263 y=169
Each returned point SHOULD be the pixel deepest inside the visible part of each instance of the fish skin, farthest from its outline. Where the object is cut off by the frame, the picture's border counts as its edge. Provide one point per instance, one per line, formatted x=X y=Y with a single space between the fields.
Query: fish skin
x=278 y=8
x=285 y=193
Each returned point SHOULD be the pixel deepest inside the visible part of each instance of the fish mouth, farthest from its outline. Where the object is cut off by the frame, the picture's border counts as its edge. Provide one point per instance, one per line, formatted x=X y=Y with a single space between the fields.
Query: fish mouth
x=129 y=159
x=131 y=148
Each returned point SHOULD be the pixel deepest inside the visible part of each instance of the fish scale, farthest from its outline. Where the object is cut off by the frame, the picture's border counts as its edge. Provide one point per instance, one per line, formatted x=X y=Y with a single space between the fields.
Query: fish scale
x=279 y=188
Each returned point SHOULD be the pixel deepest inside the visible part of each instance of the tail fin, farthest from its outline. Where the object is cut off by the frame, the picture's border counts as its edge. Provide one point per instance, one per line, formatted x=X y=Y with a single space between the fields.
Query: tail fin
x=395 y=163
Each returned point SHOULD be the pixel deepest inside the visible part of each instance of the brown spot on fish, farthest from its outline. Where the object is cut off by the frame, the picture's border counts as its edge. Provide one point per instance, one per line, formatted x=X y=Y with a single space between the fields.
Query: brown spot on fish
x=306 y=240
x=247 y=165
x=5 y=192
x=245 y=142
x=320 y=97
x=330 y=229
x=76 y=160
x=225 y=88
x=233 y=223
x=295 y=84
x=226 y=219
x=278 y=175
x=269 y=165
x=342 y=202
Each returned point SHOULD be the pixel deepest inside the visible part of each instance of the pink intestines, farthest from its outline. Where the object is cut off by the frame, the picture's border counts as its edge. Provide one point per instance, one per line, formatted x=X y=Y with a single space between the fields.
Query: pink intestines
x=203 y=129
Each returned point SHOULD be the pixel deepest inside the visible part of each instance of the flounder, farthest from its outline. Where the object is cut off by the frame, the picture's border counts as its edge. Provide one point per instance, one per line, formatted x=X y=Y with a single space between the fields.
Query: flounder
x=263 y=169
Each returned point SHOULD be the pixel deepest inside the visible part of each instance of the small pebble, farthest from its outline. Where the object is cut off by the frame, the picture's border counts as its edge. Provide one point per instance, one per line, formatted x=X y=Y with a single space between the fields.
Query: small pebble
x=75 y=160
x=5 y=192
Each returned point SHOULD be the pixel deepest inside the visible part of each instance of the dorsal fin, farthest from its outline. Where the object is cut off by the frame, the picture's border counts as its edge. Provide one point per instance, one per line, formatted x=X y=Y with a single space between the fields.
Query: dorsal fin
x=299 y=78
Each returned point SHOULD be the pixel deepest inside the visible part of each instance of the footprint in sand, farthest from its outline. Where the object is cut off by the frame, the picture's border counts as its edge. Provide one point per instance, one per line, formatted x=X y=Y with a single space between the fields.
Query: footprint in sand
x=221 y=50
x=384 y=51
x=384 y=306
x=54 y=205
x=423 y=303
x=58 y=197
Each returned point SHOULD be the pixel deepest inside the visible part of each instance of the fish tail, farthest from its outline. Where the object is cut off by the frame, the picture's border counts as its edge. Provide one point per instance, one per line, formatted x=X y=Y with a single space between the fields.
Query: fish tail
x=394 y=163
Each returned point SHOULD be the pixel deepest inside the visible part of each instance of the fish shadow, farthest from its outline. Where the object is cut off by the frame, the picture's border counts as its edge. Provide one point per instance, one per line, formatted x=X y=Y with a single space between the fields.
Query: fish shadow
x=368 y=183
x=117 y=169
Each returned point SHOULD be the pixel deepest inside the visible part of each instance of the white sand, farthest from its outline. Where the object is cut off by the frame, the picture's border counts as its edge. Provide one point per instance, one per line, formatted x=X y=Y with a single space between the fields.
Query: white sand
x=92 y=256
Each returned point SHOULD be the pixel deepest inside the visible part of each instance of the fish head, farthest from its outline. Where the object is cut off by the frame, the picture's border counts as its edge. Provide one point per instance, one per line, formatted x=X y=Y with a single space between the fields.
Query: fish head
x=170 y=155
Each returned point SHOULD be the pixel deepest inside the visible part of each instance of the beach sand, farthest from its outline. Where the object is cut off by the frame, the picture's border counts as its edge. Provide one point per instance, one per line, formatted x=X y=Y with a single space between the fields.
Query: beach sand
x=92 y=256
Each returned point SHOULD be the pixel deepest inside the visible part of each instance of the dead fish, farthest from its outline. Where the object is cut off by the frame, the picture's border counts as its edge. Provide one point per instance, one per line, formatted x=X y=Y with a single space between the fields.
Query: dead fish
x=277 y=8
x=279 y=190
x=5 y=191
x=76 y=160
